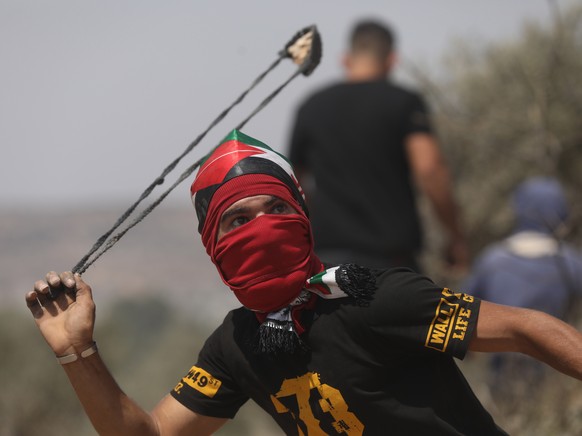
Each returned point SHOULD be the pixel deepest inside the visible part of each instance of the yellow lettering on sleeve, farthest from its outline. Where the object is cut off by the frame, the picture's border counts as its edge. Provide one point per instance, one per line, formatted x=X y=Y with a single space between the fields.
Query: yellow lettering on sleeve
x=465 y=313
x=441 y=327
x=202 y=381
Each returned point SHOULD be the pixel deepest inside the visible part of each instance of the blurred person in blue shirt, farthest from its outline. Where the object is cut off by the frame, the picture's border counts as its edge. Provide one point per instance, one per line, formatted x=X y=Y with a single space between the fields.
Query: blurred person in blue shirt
x=531 y=268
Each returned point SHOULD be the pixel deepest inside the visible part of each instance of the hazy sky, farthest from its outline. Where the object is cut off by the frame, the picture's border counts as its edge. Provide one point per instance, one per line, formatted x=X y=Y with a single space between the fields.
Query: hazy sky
x=97 y=97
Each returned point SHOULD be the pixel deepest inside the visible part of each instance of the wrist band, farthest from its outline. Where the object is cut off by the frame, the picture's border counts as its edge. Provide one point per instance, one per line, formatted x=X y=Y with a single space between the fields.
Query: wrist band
x=73 y=357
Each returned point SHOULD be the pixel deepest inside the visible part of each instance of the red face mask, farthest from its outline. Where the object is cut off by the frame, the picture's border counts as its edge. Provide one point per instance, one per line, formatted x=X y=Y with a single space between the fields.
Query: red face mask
x=267 y=261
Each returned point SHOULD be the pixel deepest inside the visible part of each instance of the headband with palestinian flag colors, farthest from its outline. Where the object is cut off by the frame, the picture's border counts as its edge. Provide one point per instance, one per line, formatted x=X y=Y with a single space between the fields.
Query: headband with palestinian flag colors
x=237 y=155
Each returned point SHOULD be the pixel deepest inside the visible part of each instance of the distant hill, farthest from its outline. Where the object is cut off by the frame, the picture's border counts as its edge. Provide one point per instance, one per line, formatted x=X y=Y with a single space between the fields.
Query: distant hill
x=163 y=254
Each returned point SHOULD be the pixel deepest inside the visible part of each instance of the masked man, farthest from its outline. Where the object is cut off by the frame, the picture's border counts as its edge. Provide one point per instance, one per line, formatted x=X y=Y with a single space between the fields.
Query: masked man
x=336 y=349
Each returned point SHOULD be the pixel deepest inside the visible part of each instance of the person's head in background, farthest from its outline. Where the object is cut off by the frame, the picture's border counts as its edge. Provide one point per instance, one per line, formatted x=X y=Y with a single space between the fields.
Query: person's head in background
x=539 y=205
x=371 y=54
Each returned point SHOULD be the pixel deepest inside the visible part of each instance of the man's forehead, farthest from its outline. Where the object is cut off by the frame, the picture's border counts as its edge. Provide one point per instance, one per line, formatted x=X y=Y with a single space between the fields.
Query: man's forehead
x=253 y=199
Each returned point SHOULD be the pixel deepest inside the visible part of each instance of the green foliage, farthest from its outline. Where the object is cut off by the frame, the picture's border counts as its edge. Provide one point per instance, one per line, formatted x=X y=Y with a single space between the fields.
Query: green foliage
x=509 y=111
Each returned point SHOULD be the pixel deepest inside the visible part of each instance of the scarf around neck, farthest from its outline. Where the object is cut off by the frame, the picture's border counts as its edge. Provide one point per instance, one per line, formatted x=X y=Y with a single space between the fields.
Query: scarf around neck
x=280 y=331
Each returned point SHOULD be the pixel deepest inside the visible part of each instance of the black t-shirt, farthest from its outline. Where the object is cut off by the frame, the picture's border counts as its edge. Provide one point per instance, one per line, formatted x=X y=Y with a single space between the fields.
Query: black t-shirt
x=351 y=138
x=382 y=369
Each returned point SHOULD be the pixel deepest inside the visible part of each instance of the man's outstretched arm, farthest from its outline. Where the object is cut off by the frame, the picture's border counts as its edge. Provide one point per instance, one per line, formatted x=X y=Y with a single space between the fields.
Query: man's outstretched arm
x=64 y=311
x=537 y=334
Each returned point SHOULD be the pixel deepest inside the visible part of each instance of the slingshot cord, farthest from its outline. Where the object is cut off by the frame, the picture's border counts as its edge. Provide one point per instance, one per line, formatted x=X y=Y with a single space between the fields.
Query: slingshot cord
x=85 y=263
x=114 y=239
x=82 y=265
x=310 y=59
x=267 y=100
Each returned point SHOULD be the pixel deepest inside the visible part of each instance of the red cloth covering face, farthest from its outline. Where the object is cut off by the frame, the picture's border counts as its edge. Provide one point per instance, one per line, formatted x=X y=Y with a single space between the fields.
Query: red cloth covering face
x=267 y=261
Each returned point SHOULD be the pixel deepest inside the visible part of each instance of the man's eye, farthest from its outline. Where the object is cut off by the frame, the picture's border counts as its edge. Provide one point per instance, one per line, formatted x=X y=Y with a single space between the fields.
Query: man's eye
x=280 y=208
x=238 y=221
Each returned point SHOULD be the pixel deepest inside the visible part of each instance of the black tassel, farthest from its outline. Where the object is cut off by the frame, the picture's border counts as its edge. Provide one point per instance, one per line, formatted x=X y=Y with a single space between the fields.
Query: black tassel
x=278 y=339
x=356 y=281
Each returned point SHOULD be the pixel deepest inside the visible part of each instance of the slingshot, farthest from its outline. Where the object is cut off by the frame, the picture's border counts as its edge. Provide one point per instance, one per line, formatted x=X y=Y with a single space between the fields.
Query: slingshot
x=304 y=49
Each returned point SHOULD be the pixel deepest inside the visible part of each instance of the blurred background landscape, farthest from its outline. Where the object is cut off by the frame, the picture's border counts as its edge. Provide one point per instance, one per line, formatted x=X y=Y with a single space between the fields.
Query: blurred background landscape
x=97 y=99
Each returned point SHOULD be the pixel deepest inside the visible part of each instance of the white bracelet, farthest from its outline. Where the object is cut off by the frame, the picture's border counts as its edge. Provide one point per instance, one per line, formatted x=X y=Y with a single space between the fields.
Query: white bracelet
x=73 y=357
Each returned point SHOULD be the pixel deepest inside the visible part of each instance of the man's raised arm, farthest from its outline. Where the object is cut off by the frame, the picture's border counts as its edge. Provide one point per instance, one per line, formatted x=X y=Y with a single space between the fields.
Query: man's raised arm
x=64 y=311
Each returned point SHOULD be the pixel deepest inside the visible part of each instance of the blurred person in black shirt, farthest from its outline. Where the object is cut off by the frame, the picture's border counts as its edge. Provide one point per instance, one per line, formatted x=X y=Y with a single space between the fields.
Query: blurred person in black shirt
x=361 y=148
